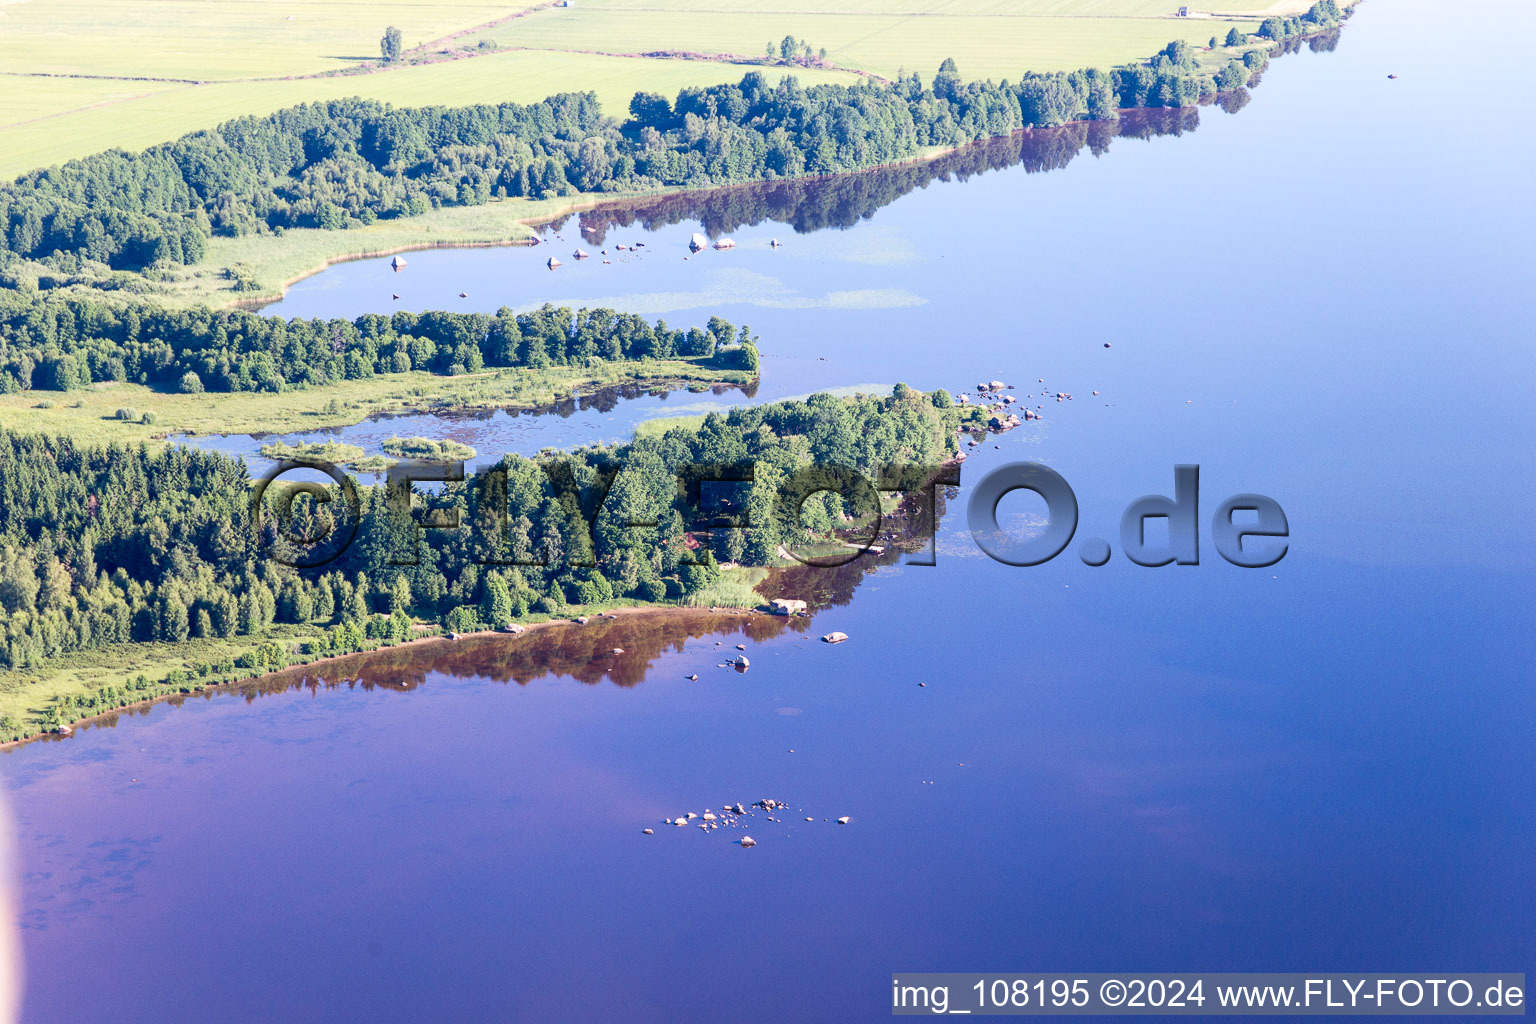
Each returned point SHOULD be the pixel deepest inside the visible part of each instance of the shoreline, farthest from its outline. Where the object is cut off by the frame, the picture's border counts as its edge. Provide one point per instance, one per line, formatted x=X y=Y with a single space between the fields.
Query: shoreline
x=583 y=203
x=230 y=686
x=591 y=201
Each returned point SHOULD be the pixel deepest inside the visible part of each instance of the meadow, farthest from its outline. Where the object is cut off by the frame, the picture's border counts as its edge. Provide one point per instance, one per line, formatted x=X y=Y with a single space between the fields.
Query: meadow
x=81 y=76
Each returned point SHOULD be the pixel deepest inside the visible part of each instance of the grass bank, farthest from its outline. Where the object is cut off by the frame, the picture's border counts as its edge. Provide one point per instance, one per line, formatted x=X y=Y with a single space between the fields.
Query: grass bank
x=90 y=415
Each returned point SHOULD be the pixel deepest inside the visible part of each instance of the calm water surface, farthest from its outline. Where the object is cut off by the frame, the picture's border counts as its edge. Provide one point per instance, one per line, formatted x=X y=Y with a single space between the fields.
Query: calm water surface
x=1324 y=765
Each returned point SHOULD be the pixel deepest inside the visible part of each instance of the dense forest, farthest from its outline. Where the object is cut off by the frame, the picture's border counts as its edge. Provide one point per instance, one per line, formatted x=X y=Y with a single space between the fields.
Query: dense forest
x=336 y=164
x=108 y=545
x=58 y=344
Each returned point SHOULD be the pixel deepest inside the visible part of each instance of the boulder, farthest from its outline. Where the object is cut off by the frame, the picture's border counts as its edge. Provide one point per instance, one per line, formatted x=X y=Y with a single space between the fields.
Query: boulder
x=835 y=637
x=786 y=606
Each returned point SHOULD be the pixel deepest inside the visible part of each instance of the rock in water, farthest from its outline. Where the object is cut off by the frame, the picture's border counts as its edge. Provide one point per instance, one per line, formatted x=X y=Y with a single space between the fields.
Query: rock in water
x=697 y=242
x=843 y=820
x=835 y=637
x=742 y=662
x=649 y=831
x=552 y=263
x=748 y=842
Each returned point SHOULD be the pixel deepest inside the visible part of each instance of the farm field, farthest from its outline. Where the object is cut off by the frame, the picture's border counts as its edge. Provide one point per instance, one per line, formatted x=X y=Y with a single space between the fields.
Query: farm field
x=520 y=76
x=989 y=41
x=81 y=76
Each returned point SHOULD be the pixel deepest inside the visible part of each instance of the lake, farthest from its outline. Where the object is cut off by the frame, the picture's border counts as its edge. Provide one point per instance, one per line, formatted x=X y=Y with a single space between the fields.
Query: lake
x=1323 y=765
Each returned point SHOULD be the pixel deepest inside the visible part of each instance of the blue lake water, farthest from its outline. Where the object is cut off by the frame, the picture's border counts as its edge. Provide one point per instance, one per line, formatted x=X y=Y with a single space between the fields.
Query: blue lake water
x=1325 y=765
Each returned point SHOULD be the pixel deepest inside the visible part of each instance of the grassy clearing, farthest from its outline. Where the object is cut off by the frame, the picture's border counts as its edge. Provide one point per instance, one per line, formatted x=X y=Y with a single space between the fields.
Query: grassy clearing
x=25 y=695
x=734 y=589
x=88 y=415
x=661 y=424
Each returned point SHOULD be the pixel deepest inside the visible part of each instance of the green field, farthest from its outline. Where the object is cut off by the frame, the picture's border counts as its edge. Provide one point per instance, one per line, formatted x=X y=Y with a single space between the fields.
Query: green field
x=81 y=76
x=89 y=415
x=521 y=76
x=986 y=45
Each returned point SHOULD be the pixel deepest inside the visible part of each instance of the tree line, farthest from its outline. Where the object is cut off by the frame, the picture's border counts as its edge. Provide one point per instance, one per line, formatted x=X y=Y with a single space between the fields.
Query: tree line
x=349 y=162
x=103 y=545
x=59 y=343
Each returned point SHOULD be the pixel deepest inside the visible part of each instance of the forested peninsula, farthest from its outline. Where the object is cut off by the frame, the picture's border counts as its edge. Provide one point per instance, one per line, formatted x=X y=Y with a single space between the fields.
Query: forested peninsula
x=66 y=343
x=105 y=549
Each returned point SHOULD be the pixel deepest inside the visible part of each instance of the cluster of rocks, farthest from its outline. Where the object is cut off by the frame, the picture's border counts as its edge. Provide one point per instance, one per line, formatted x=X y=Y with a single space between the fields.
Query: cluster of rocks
x=582 y=254
x=990 y=397
x=734 y=815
